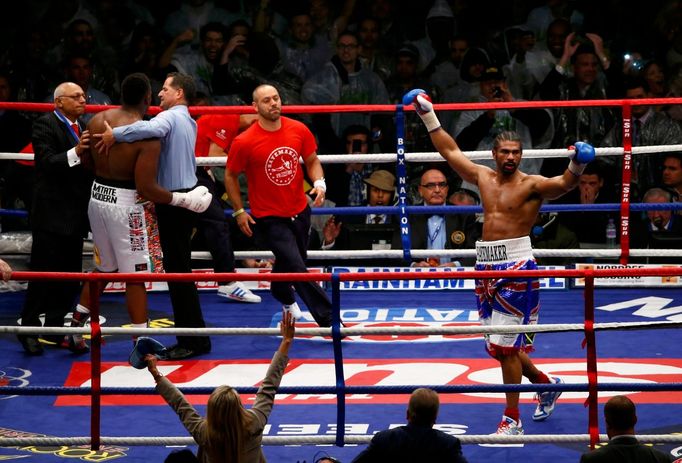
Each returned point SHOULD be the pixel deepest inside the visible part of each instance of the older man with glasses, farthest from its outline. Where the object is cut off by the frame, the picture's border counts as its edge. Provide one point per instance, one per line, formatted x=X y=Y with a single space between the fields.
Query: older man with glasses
x=59 y=214
x=440 y=231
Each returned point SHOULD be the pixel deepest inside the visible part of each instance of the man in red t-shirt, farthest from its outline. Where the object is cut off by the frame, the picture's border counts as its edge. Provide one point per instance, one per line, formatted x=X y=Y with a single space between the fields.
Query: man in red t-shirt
x=268 y=153
x=214 y=137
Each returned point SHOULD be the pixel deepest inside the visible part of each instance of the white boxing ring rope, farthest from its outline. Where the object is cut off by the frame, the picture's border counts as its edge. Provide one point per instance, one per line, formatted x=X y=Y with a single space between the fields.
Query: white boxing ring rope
x=329 y=440
x=423 y=156
x=349 y=331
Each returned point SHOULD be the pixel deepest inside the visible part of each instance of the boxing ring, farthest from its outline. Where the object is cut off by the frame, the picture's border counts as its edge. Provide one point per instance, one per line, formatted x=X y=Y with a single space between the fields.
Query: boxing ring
x=602 y=332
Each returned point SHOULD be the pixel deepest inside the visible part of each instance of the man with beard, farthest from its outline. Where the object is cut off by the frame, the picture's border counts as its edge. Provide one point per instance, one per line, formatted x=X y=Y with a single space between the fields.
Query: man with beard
x=268 y=153
x=511 y=200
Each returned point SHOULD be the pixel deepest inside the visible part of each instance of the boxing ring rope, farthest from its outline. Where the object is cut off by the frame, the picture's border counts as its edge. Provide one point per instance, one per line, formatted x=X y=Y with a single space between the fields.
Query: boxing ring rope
x=589 y=327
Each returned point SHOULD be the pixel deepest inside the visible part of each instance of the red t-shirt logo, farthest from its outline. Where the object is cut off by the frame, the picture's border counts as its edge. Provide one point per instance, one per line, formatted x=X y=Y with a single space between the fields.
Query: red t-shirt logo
x=281 y=165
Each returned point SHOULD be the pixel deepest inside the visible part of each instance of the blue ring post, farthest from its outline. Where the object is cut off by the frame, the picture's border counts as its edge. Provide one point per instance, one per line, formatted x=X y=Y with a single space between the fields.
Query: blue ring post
x=338 y=360
x=401 y=171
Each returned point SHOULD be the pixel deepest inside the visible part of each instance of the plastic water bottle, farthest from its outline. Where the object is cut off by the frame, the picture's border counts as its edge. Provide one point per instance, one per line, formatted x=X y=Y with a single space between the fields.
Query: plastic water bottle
x=611 y=234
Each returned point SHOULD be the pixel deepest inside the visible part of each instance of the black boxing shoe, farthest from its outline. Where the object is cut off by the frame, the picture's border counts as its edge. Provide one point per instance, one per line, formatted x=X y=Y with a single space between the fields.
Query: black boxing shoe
x=75 y=343
x=31 y=344
x=178 y=352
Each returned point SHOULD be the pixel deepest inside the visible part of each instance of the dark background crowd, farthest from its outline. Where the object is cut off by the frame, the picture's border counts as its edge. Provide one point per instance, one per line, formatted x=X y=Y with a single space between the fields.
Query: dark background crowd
x=372 y=52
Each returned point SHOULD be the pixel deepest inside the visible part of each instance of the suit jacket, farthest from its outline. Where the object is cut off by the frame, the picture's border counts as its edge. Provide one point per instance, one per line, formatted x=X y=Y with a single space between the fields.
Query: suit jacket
x=625 y=449
x=461 y=232
x=61 y=193
x=412 y=444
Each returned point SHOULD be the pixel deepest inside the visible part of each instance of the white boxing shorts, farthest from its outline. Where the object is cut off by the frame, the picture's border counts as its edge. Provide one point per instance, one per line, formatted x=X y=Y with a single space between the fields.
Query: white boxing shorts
x=124 y=230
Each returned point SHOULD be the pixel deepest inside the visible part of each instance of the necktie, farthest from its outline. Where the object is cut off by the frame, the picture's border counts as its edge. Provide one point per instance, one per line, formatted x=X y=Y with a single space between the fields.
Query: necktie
x=636 y=136
x=377 y=219
x=75 y=128
x=355 y=189
x=641 y=165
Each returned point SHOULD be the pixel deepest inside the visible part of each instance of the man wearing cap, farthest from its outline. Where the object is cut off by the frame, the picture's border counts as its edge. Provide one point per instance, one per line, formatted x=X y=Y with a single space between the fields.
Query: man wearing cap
x=476 y=130
x=439 y=231
x=380 y=192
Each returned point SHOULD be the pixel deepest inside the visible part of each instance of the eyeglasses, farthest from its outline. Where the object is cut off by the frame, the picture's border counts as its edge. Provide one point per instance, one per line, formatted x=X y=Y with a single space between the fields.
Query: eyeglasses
x=347 y=46
x=77 y=96
x=434 y=185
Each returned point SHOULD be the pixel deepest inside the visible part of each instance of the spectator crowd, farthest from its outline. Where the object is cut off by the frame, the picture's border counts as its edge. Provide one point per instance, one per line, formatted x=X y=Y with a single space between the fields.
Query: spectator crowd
x=372 y=52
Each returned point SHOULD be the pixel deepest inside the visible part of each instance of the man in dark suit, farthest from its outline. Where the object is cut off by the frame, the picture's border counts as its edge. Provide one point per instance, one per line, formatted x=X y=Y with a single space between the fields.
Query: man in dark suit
x=417 y=441
x=623 y=446
x=59 y=219
x=370 y=231
x=452 y=231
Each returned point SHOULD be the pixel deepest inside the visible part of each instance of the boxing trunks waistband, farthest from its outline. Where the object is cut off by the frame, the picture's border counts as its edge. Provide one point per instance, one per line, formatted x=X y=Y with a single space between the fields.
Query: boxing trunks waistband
x=115 y=195
x=503 y=251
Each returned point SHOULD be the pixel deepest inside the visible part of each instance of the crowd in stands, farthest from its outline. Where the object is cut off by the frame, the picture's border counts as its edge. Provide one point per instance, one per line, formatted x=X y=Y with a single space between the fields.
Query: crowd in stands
x=372 y=52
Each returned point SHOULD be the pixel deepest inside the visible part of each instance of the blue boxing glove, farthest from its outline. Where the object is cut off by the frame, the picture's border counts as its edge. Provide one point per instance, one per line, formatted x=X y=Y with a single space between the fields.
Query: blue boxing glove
x=424 y=107
x=582 y=155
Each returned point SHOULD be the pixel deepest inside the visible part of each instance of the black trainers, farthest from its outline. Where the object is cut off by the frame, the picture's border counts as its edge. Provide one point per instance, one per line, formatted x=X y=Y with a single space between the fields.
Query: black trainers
x=75 y=343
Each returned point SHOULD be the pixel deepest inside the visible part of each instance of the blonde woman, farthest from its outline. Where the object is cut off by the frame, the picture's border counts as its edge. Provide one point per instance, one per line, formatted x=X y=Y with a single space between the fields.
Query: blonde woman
x=230 y=432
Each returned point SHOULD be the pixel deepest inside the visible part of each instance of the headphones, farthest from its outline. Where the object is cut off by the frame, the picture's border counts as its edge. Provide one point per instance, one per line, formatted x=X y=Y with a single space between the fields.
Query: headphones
x=538 y=230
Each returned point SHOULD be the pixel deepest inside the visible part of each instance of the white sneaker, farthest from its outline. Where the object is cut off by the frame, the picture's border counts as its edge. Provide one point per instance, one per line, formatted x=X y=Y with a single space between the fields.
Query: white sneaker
x=546 y=401
x=294 y=310
x=509 y=427
x=236 y=291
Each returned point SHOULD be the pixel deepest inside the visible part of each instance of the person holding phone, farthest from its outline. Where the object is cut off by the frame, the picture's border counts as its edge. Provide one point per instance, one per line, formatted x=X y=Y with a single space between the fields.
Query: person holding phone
x=345 y=182
x=476 y=130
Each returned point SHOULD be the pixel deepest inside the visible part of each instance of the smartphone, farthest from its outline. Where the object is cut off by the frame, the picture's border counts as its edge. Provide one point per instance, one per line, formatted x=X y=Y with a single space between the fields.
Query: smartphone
x=497 y=92
x=356 y=146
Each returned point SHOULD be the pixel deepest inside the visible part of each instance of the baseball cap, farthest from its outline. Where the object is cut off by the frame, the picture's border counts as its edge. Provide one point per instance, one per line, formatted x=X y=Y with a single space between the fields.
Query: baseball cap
x=492 y=73
x=382 y=179
x=407 y=49
x=144 y=346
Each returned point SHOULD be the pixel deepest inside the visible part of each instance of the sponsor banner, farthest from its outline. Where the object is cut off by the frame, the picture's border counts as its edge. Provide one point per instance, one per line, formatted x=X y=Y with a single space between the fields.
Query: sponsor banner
x=629 y=281
x=386 y=317
x=119 y=286
x=372 y=372
x=439 y=282
x=76 y=452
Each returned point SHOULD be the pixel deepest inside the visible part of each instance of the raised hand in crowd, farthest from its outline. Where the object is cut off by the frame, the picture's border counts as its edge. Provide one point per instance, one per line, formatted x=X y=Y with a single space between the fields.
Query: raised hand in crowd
x=6 y=270
x=331 y=230
x=598 y=44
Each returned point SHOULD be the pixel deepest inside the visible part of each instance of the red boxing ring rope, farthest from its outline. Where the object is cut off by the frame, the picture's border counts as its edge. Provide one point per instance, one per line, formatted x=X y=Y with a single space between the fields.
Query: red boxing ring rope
x=311 y=109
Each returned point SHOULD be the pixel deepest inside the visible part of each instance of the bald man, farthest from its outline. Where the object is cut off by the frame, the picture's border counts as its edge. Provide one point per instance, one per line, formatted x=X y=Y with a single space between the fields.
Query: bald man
x=268 y=153
x=416 y=441
x=621 y=417
x=59 y=219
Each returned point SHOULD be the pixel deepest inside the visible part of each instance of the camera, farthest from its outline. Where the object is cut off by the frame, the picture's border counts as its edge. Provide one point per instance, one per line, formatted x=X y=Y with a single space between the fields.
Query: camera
x=497 y=92
x=635 y=64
